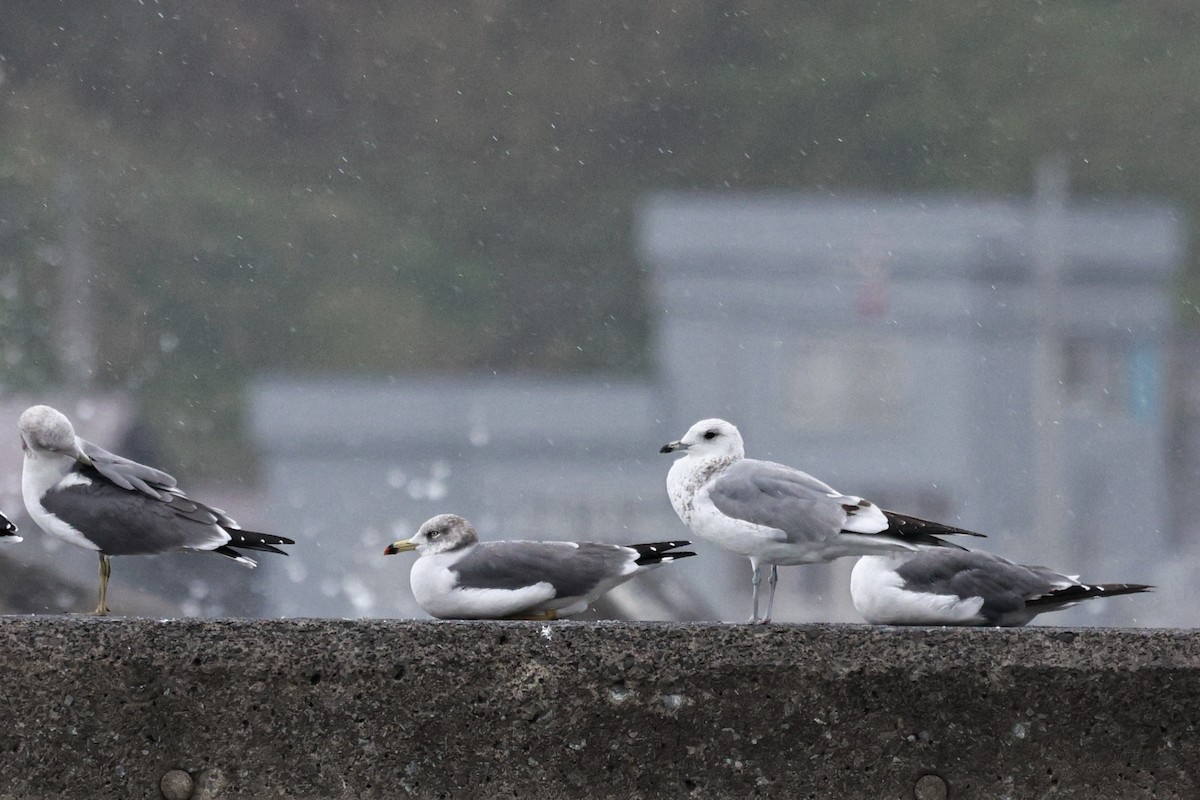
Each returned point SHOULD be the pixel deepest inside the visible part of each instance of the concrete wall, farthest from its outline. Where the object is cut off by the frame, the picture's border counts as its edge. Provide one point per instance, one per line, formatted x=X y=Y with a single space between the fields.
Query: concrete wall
x=385 y=709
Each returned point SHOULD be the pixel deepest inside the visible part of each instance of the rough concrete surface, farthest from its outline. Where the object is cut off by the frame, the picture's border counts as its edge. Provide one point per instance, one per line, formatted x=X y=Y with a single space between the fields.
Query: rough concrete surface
x=388 y=709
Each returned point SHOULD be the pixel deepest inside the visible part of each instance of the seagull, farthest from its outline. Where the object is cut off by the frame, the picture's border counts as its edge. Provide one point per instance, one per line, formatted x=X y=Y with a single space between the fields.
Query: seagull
x=458 y=577
x=97 y=500
x=961 y=587
x=777 y=515
x=8 y=531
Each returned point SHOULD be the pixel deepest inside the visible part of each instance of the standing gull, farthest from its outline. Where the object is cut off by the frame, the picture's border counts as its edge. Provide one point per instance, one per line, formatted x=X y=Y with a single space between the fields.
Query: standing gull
x=458 y=577
x=960 y=587
x=100 y=501
x=777 y=515
x=8 y=531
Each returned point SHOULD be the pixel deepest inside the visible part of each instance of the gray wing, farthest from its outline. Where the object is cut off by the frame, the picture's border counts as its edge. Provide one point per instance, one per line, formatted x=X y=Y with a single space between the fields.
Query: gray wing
x=779 y=497
x=573 y=570
x=807 y=510
x=135 y=477
x=126 y=473
x=1004 y=586
x=122 y=522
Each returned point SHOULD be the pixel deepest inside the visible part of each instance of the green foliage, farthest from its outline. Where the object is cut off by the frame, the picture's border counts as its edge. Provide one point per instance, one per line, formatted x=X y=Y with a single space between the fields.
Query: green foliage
x=396 y=187
x=26 y=294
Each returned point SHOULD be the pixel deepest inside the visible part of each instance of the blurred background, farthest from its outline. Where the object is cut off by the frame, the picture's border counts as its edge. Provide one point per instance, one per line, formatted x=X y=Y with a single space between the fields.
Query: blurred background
x=339 y=267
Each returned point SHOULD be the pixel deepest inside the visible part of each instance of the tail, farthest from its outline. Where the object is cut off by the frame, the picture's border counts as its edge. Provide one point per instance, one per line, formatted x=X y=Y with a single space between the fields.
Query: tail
x=1082 y=591
x=251 y=540
x=659 y=552
x=917 y=531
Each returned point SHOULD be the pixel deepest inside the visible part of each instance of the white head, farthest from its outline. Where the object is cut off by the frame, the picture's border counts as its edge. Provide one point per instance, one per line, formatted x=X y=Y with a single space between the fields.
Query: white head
x=45 y=430
x=441 y=534
x=710 y=438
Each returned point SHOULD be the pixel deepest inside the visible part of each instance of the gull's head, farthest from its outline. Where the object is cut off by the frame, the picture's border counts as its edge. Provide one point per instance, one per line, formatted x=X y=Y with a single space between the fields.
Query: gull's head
x=46 y=430
x=443 y=533
x=709 y=438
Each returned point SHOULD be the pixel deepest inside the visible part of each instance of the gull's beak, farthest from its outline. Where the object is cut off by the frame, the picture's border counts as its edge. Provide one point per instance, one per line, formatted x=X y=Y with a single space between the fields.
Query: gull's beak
x=672 y=447
x=77 y=453
x=402 y=546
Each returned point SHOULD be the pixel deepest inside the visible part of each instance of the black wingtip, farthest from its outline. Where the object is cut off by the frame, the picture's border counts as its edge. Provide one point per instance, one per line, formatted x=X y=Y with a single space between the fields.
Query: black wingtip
x=922 y=531
x=255 y=540
x=654 y=552
x=933 y=541
x=1072 y=594
x=1114 y=589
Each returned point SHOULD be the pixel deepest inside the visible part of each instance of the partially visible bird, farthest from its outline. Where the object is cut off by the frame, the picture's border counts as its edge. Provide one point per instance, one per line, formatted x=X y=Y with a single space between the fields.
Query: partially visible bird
x=8 y=531
x=776 y=515
x=100 y=501
x=458 y=577
x=961 y=587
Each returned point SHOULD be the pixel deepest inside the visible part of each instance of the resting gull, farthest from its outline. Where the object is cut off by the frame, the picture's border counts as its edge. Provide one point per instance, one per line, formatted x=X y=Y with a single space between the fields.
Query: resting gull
x=458 y=577
x=8 y=531
x=960 y=587
x=777 y=515
x=100 y=501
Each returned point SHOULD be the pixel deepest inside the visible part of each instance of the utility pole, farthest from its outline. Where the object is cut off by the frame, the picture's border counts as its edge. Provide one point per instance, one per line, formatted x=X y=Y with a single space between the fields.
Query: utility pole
x=75 y=322
x=1051 y=522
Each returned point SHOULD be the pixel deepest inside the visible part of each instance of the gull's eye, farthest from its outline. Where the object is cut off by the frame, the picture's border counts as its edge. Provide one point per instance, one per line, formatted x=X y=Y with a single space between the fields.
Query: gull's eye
x=434 y=534
x=710 y=435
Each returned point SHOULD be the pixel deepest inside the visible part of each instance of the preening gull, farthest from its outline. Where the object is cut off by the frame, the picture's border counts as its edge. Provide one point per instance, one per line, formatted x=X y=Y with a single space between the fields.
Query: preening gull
x=777 y=515
x=458 y=577
x=100 y=501
x=8 y=531
x=960 y=587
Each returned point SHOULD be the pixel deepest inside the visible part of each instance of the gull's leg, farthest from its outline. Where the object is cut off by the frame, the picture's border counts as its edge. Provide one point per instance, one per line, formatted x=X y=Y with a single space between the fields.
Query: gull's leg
x=105 y=572
x=755 y=580
x=774 y=579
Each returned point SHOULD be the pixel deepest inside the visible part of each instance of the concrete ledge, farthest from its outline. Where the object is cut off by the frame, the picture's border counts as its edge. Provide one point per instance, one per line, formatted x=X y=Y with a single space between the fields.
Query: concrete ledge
x=384 y=709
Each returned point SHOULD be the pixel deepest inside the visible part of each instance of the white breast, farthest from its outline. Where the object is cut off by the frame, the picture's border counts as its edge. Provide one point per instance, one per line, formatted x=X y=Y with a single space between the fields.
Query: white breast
x=682 y=484
x=40 y=474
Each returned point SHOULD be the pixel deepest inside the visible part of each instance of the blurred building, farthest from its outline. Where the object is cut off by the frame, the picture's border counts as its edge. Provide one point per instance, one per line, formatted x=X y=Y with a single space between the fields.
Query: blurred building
x=988 y=363
x=351 y=465
x=915 y=351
